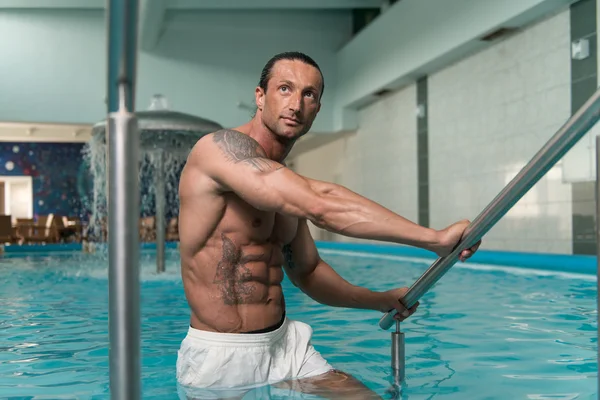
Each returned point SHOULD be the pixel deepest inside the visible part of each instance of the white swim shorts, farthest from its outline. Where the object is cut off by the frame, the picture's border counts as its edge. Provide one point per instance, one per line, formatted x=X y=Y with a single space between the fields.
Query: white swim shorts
x=217 y=365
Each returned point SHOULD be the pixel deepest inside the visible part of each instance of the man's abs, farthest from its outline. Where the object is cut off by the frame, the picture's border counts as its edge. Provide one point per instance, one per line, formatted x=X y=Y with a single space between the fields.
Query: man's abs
x=231 y=256
x=234 y=288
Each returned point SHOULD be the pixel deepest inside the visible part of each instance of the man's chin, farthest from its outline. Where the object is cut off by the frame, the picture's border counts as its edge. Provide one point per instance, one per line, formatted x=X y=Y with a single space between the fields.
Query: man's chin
x=292 y=133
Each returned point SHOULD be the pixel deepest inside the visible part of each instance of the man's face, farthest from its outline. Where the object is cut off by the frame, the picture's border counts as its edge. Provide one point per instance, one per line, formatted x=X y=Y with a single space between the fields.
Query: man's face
x=292 y=100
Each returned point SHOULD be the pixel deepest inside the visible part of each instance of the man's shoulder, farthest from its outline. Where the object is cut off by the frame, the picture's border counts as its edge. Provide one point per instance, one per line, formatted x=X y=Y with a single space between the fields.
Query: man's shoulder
x=226 y=133
x=216 y=151
x=225 y=138
x=233 y=145
x=201 y=163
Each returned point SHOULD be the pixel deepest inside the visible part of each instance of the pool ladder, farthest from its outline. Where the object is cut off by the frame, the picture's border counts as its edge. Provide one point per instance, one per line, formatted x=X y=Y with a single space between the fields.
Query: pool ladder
x=398 y=358
x=562 y=141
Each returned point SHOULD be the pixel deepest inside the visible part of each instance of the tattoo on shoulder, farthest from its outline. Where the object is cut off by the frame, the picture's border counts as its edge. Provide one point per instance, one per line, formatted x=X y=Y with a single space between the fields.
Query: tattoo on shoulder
x=239 y=147
x=287 y=254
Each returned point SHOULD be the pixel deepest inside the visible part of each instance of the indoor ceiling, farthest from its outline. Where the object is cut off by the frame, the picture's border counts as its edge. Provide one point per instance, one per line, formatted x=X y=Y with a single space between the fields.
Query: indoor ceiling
x=153 y=12
x=201 y=4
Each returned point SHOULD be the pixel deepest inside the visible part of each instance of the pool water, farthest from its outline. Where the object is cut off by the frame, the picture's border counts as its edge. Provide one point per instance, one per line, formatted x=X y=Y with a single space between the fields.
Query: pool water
x=481 y=333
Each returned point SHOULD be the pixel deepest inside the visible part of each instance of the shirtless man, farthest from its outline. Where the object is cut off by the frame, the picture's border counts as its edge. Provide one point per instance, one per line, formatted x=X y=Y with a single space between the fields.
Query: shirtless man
x=243 y=222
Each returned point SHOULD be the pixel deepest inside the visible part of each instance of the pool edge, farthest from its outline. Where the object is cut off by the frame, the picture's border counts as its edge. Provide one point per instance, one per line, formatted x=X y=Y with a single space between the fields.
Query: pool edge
x=70 y=247
x=581 y=264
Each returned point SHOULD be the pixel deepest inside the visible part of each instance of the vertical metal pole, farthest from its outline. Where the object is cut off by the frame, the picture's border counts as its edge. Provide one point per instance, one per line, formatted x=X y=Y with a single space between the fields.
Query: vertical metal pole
x=398 y=357
x=122 y=51
x=123 y=202
x=159 y=192
x=598 y=238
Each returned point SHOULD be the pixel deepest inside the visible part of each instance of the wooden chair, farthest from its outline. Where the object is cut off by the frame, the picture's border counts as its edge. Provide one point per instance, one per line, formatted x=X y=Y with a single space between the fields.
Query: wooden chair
x=147 y=229
x=24 y=228
x=77 y=226
x=44 y=230
x=7 y=233
x=173 y=230
x=67 y=231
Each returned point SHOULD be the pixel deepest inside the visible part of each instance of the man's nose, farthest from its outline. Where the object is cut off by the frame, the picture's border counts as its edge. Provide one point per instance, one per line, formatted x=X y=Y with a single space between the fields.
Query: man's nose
x=295 y=104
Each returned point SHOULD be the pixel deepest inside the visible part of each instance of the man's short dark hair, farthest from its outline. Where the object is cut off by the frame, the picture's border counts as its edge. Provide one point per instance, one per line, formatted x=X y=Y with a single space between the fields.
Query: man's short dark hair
x=288 y=55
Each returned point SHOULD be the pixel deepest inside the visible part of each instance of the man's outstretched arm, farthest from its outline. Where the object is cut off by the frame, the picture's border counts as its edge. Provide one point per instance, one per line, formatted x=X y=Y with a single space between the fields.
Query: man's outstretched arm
x=237 y=163
x=319 y=280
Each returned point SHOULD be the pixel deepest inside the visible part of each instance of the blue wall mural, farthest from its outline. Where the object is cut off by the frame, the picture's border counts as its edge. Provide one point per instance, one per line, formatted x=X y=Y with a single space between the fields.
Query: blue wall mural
x=63 y=184
x=56 y=171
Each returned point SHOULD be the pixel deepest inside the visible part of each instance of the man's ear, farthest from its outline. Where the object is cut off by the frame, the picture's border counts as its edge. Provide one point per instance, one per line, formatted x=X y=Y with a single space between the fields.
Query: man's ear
x=259 y=97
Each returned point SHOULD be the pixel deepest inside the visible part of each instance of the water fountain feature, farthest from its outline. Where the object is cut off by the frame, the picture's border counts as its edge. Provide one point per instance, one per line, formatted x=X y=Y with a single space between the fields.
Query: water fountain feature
x=166 y=138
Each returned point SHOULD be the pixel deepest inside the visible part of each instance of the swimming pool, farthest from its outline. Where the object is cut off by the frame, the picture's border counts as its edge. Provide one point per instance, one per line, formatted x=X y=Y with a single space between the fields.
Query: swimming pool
x=481 y=333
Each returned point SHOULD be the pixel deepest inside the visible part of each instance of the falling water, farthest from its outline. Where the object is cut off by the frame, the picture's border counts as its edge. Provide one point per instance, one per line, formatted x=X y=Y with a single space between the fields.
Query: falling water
x=95 y=154
x=166 y=138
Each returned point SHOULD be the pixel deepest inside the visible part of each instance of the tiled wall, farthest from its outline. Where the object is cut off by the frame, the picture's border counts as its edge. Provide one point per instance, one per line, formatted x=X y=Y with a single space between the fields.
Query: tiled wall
x=326 y=163
x=483 y=118
x=60 y=179
x=379 y=161
x=488 y=116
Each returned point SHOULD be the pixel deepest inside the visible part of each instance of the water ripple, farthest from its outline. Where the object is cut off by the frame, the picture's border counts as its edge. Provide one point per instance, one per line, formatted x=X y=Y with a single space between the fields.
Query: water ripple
x=482 y=334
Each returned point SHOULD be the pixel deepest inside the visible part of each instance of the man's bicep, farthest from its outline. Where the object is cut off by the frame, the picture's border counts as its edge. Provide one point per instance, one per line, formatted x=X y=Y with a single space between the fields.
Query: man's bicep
x=238 y=164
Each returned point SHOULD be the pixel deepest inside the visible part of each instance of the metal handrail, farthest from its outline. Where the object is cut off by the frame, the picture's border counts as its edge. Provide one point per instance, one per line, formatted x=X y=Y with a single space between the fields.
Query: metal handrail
x=566 y=137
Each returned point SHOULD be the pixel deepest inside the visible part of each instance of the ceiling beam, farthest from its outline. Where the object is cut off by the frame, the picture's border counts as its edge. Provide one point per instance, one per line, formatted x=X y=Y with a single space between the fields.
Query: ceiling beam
x=152 y=18
x=273 y=4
